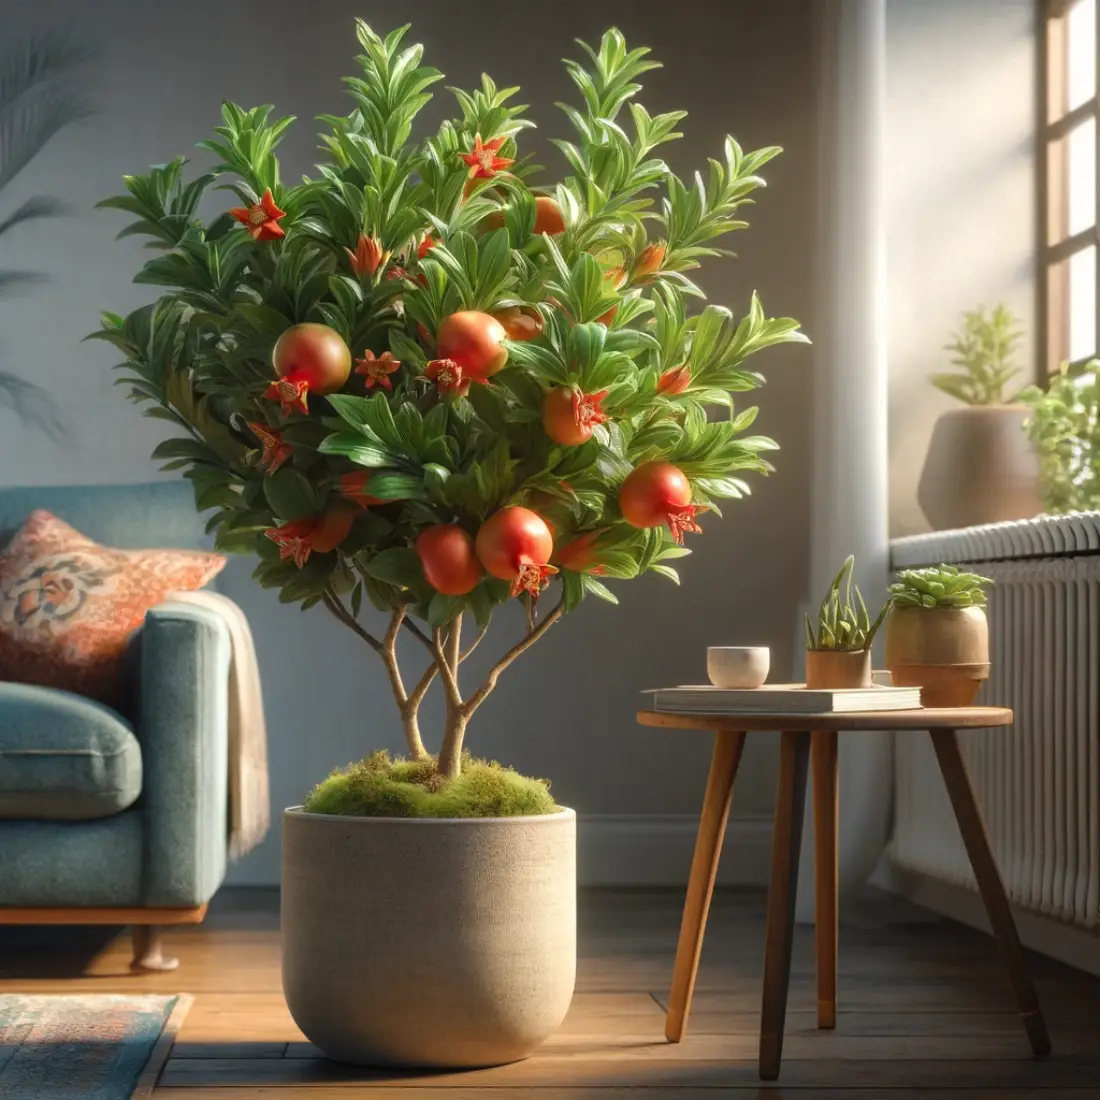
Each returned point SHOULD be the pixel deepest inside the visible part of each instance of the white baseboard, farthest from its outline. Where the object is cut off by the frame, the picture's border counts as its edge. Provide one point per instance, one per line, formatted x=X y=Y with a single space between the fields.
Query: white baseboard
x=656 y=850
x=1067 y=943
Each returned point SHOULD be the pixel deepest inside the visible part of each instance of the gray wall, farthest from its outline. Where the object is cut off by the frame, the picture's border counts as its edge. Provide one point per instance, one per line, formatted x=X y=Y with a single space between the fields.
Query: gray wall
x=960 y=194
x=567 y=713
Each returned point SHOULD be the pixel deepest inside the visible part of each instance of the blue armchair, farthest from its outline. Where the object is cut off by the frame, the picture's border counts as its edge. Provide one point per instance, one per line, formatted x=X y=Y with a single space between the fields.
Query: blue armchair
x=112 y=818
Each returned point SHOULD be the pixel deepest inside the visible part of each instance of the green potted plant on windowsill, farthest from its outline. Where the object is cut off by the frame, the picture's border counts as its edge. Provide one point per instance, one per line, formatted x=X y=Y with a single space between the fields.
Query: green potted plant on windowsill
x=937 y=636
x=415 y=383
x=1063 y=425
x=980 y=467
x=838 y=647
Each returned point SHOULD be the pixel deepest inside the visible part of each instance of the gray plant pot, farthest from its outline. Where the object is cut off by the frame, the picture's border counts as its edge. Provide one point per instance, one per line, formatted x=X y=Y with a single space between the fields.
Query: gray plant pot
x=424 y=942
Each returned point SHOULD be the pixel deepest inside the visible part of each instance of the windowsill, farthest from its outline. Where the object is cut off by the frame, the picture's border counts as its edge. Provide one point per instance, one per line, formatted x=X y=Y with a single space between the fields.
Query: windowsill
x=1017 y=540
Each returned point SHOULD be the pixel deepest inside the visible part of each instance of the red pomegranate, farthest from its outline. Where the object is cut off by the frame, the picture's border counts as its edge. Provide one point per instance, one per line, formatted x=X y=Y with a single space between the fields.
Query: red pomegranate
x=308 y=358
x=450 y=563
x=321 y=534
x=657 y=493
x=568 y=415
x=474 y=340
x=520 y=322
x=548 y=216
x=515 y=545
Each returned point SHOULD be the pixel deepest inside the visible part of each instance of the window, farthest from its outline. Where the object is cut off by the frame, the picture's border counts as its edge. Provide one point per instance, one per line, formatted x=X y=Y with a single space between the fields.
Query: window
x=1068 y=283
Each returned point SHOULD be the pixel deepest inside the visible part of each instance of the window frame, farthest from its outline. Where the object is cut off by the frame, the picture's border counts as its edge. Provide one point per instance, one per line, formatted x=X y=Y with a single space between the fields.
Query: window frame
x=1055 y=246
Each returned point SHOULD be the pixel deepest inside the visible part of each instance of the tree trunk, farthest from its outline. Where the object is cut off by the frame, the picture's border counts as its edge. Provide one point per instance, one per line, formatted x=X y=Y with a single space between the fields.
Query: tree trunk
x=411 y=725
x=450 y=755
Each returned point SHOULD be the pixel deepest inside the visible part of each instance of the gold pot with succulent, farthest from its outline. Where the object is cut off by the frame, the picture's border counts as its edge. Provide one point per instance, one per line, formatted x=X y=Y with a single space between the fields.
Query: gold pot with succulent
x=838 y=649
x=980 y=467
x=937 y=636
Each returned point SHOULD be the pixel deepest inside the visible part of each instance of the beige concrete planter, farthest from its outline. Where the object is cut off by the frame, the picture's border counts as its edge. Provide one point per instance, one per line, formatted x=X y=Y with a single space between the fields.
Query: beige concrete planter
x=980 y=468
x=838 y=668
x=424 y=942
x=942 y=650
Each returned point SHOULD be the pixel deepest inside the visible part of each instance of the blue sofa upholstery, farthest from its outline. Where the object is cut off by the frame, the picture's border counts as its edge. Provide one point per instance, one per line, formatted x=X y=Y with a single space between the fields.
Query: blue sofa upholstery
x=168 y=848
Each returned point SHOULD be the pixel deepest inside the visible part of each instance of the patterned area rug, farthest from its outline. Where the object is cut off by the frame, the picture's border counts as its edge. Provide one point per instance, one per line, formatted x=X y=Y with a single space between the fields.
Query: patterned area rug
x=101 y=1047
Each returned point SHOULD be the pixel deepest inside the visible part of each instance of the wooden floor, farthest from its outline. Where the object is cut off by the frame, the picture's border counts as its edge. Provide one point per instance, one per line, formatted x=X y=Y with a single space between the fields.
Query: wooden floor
x=924 y=1012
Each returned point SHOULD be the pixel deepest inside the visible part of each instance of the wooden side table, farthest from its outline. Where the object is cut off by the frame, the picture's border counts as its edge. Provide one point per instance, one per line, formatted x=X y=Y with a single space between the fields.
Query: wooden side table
x=804 y=736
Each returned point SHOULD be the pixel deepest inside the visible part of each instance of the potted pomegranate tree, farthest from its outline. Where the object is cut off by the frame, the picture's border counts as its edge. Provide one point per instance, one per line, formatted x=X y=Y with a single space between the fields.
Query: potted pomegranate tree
x=426 y=383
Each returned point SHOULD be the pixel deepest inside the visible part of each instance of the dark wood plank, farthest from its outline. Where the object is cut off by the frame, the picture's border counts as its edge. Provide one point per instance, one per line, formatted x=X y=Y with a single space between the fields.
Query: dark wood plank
x=638 y=1092
x=884 y=721
x=790 y=802
x=704 y=869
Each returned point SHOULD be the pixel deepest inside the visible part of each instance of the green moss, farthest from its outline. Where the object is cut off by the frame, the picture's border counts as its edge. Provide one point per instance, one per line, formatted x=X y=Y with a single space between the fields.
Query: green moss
x=380 y=787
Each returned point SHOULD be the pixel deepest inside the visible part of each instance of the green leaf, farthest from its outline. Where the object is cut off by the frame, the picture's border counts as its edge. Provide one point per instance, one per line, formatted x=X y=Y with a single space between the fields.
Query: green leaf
x=595 y=588
x=443 y=609
x=290 y=495
x=359 y=451
x=400 y=566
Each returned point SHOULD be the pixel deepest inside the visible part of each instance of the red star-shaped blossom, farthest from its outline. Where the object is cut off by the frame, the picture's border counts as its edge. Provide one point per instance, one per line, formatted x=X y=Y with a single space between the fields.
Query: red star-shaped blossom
x=586 y=408
x=532 y=579
x=483 y=160
x=681 y=519
x=377 y=371
x=448 y=377
x=293 y=396
x=275 y=452
x=261 y=219
x=294 y=540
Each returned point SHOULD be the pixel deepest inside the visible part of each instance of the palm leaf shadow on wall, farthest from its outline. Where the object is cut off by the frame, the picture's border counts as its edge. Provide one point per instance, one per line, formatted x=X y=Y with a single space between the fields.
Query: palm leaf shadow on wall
x=40 y=95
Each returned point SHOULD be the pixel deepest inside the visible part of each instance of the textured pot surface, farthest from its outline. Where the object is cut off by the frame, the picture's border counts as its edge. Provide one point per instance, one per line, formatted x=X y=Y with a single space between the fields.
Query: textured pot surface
x=936 y=636
x=423 y=942
x=980 y=468
x=838 y=668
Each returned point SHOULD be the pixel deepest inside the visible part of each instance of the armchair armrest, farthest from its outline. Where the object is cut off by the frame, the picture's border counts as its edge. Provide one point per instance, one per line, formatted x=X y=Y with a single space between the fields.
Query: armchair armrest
x=182 y=723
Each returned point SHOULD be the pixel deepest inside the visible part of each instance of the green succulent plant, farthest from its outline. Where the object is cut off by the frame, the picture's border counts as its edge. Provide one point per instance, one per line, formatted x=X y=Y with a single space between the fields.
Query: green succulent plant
x=984 y=351
x=840 y=625
x=1064 y=429
x=938 y=586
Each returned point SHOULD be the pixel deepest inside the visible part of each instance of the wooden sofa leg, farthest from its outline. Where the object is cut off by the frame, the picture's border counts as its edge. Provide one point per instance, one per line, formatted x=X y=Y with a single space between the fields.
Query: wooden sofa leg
x=148 y=949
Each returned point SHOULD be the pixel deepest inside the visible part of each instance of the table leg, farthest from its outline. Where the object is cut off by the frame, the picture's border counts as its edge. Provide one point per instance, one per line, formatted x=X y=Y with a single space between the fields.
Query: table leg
x=704 y=867
x=969 y=817
x=824 y=746
x=790 y=804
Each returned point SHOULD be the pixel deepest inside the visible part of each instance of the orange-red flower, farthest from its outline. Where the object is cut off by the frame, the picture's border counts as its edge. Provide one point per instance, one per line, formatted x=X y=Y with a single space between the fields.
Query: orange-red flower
x=448 y=377
x=321 y=534
x=397 y=272
x=483 y=160
x=674 y=380
x=368 y=257
x=427 y=244
x=377 y=371
x=579 y=556
x=353 y=487
x=261 y=219
x=294 y=539
x=649 y=261
x=681 y=520
x=275 y=452
x=293 y=396
x=586 y=408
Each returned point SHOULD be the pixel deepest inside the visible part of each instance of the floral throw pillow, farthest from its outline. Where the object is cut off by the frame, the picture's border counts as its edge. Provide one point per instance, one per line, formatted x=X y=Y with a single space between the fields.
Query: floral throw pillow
x=68 y=606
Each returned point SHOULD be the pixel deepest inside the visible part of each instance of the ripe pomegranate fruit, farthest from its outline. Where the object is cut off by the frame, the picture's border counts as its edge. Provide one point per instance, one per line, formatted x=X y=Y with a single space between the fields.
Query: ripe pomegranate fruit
x=548 y=216
x=474 y=340
x=447 y=554
x=520 y=322
x=568 y=415
x=657 y=493
x=308 y=358
x=515 y=545
x=300 y=538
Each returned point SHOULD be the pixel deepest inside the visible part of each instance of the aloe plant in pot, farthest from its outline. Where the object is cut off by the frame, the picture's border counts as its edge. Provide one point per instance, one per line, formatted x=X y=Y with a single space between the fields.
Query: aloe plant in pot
x=937 y=636
x=838 y=646
x=417 y=383
x=980 y=467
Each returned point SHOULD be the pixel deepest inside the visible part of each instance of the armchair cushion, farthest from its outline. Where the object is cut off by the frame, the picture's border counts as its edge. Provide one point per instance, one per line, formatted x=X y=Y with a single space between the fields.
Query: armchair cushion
x=64 y=758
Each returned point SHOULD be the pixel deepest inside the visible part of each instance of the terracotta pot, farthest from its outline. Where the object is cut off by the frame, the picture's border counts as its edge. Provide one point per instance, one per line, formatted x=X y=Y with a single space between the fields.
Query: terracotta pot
x=838 y=668
x=980 y=468
x=428 y=942
x=942 y=650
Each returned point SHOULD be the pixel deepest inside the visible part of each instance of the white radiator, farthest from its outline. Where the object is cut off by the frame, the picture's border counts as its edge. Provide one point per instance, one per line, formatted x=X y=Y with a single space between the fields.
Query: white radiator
x=1037 y=781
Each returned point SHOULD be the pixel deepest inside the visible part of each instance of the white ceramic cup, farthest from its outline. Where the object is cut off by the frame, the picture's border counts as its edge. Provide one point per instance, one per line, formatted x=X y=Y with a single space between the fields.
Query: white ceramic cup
x=738 y=666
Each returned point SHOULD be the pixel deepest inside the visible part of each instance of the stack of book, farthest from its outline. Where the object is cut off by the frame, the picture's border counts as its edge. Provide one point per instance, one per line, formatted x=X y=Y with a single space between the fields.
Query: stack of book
x=782 y=699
